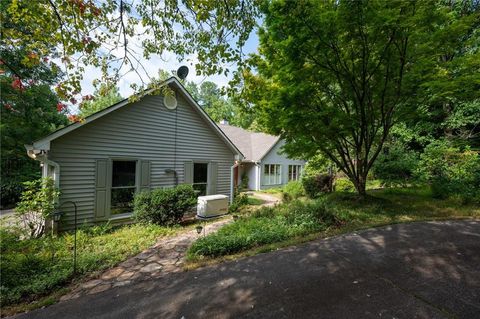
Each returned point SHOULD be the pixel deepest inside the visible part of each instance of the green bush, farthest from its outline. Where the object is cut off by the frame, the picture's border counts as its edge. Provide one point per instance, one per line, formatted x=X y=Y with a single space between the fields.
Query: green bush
x=10 y=192
x=344 y=185
x=31 y=268
x=318 y=184
x=293 y=190
x=37 y=204
x=266 y=225
x=164 y=206
x=450 y=171
x=239 y=200
x=396 y=166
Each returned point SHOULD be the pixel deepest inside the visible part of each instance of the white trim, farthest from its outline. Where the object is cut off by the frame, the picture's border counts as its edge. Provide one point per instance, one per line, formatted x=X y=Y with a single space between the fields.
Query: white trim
x=44 y=143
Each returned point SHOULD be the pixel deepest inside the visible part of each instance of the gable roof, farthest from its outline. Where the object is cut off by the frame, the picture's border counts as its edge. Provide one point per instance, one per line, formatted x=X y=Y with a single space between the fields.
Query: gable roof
x=44 y=143
x=253 y=145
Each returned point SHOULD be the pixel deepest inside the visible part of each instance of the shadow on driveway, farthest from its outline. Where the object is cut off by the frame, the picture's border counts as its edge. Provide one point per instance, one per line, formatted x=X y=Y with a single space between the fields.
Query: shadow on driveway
x=416 y=270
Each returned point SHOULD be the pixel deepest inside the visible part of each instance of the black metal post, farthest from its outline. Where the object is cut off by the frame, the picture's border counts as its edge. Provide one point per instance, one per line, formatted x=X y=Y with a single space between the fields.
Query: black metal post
x=74 y=237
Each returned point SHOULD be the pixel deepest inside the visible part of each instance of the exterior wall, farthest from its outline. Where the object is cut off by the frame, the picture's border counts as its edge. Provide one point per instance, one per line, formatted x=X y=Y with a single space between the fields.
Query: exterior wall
x=274 y=157
x=250 y=170
x=144 y=130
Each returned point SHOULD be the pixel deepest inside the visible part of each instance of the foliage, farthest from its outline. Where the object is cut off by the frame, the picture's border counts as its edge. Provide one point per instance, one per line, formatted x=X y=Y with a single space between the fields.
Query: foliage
x=348 y=70
x=344 y=185
x=317 y=184
x=266 y=225
x=29 y=111
x=292 y=190
x=396 y=165
x=37 y=204
x=334 y=213
x=239 y=200
x=33 y=267
x=107 y=34
x=317 y=164
x=244 y=182
x=104 y=96
x=218 y=106
x=450 y=171
x=164 y=206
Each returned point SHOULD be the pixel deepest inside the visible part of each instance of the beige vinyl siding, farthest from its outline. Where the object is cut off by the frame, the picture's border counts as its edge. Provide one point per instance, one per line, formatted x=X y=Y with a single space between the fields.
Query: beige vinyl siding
x=143 y=130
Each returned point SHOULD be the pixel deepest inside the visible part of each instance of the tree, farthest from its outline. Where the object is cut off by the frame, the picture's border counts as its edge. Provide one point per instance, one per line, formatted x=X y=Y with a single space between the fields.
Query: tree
x=219 y=107
x=103 y=97
x=107 y=34
x=29 y=110
x=337 y=75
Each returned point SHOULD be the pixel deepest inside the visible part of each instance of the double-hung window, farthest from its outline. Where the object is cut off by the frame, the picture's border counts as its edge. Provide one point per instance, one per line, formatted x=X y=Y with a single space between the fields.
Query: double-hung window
x=200 y=178
x=124 y=185
x=294 y=172
x=272 y=174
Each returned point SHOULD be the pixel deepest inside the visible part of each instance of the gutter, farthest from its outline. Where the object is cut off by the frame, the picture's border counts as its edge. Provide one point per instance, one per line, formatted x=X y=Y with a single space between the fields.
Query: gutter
x=42 y=157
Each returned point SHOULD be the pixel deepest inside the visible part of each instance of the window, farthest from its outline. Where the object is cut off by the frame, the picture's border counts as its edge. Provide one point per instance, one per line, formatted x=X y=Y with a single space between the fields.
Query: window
x=123 y=186
x=272 y=174
x=200 y=178
x=294 y=172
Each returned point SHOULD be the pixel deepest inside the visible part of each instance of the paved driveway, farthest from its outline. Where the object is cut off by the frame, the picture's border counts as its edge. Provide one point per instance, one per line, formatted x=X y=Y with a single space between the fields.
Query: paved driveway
x=418 y=270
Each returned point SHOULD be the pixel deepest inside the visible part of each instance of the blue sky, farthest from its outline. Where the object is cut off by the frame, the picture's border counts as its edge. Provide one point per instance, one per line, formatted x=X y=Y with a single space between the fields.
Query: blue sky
x=167 y=62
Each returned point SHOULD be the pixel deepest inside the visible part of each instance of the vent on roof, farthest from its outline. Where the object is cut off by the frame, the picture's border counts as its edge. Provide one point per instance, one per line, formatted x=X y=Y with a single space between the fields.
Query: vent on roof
x=224 y=122
x=170 y=101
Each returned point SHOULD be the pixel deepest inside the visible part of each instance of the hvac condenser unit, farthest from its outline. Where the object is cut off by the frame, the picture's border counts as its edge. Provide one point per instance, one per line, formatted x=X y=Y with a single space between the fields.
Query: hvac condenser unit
x=212 y=206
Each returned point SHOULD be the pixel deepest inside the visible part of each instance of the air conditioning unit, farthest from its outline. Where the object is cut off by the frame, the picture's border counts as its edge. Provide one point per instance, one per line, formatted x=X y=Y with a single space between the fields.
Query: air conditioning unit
x=212 y=206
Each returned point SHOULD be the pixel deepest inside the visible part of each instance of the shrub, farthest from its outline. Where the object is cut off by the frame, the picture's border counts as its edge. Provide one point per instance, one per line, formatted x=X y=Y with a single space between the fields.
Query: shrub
x=315 y=185
x=164 y=206
x=38 y=202
x=11 y=190
x=265 y=226
x=344 y=185
x=450 y=171
x=396 y=166
x=293 y=190
x=244 y=182
x=239 y=201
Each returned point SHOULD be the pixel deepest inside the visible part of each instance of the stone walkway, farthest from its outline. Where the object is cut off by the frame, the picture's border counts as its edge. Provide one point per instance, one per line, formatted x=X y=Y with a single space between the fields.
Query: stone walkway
x=166 y=256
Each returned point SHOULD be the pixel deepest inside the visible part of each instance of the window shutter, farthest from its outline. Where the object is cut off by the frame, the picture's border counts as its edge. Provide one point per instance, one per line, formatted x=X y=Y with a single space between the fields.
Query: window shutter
x=144 y=175
x=101 y=187
x=188 y=173
x=212 y=178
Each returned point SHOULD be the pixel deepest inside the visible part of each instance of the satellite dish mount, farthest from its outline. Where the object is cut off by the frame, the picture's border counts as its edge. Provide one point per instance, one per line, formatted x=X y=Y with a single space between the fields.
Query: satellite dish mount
x=182 y=72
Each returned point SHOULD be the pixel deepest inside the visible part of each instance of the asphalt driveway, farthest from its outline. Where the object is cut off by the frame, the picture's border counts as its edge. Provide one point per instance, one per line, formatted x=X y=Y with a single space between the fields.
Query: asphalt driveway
x=417 y=270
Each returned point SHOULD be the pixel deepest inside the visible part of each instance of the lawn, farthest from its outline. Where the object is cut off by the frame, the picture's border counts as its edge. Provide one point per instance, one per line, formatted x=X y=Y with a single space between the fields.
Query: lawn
x=269 y=228
x=36 y=267
x=255 y=201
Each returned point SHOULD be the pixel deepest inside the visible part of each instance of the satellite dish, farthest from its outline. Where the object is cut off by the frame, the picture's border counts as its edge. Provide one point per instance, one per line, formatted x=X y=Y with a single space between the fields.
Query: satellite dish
x=182 y=72
x=170 y=101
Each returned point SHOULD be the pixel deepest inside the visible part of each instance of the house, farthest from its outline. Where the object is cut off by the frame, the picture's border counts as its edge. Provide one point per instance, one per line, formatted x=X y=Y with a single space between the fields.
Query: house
x=263 y=164
x=157 y=141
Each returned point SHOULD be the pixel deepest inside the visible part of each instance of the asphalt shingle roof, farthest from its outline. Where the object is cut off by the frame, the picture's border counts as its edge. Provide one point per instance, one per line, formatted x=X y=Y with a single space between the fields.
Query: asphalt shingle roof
x=253 y=145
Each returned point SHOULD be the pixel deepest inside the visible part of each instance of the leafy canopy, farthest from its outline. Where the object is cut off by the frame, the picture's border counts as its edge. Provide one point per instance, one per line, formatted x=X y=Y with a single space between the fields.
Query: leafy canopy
x=335 y=76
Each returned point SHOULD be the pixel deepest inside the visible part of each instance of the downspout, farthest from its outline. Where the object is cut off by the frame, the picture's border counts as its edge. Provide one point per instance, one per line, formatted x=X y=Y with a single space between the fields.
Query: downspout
x=258 y=175
x=231 y=179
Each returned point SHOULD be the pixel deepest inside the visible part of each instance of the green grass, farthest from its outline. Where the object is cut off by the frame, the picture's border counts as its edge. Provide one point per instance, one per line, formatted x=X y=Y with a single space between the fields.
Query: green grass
x=254 y=201
x=33 y=268
x=332 y=214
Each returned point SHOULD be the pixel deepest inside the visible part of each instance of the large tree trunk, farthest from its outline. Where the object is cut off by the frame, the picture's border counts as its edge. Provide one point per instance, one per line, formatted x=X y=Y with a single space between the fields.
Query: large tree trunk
x=360 y=183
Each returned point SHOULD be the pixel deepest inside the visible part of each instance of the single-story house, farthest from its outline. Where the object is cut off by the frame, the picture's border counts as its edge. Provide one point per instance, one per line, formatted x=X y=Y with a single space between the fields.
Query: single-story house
x=264 y=165
x=157 y=141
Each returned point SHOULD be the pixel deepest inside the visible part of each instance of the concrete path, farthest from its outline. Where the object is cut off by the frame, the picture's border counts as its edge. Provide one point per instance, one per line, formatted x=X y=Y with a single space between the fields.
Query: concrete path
x=269 y=200
x=417 y=270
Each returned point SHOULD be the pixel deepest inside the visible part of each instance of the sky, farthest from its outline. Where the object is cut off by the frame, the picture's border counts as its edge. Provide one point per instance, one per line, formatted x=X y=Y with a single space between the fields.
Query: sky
x=168 y=62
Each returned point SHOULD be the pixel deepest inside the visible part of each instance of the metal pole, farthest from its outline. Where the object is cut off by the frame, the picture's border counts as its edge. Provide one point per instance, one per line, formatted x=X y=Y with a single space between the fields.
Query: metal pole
x=75 y=242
